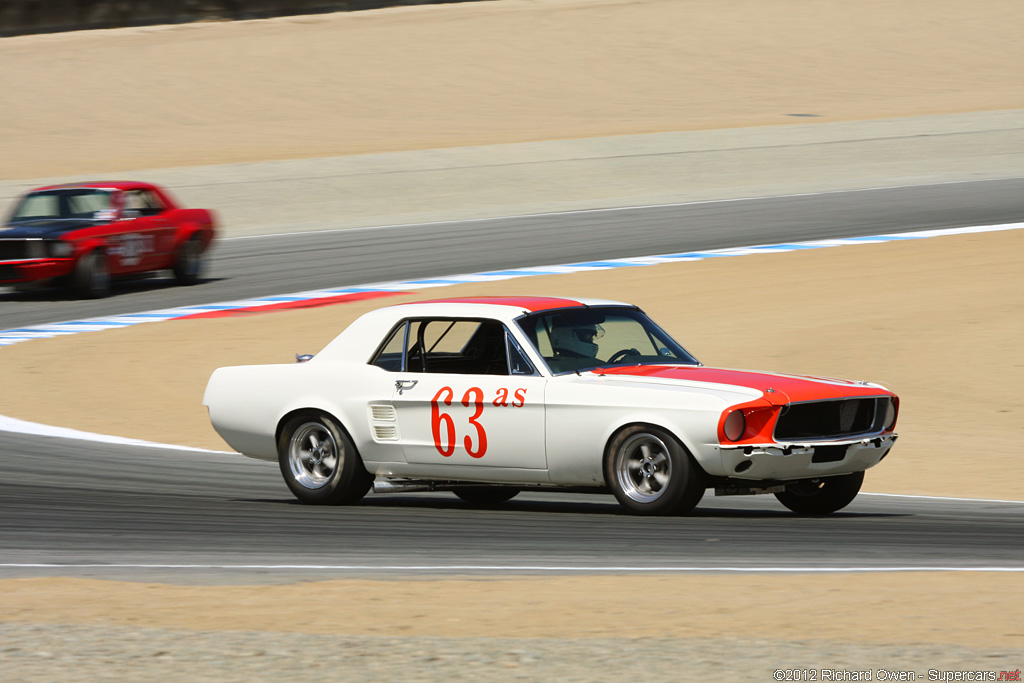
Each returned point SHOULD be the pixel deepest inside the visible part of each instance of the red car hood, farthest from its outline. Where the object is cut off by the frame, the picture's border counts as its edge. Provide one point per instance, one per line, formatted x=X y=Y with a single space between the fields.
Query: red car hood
x=777 y=389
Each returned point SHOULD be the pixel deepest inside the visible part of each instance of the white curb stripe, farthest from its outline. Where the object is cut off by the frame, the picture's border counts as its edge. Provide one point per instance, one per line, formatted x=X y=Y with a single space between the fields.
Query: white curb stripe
x=12 y=424
x=923 y=497
x=14 y=336
x=511 y=568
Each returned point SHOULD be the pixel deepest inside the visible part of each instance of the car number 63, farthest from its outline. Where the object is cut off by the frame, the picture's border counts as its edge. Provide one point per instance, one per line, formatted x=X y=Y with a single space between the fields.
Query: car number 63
x=446 y=395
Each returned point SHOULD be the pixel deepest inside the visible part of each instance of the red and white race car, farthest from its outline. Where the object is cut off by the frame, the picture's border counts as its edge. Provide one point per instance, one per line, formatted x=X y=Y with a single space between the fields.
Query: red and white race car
x=486 y=397
x=83 y=234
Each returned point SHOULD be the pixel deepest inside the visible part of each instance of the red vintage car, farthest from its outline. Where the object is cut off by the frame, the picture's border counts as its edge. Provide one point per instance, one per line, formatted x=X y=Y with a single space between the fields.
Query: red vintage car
x=82 y=235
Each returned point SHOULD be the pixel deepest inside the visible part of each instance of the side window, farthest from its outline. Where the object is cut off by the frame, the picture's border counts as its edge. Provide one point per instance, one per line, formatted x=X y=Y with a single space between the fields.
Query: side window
x=390 y=355
x=151 y=203
x=462 y=347
x=145 y=202
x=519 y=364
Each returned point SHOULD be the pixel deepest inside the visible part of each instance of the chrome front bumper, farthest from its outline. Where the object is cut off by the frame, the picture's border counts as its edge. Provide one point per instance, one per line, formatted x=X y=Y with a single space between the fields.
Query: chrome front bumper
x=785 y=461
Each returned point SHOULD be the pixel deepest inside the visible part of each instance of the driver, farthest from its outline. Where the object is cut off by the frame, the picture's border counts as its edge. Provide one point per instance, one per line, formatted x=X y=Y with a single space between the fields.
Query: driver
x=575 y=340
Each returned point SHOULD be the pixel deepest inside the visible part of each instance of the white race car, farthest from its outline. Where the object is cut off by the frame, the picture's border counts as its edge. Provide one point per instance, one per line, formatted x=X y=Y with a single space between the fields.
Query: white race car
x=487 y=397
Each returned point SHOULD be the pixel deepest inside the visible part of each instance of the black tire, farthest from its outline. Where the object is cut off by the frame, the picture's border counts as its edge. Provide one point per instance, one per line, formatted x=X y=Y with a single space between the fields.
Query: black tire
x=91 y=279
x=190 y=261
x=484 y=496
x=320 y=463
x=821 y=496
x=651 y=472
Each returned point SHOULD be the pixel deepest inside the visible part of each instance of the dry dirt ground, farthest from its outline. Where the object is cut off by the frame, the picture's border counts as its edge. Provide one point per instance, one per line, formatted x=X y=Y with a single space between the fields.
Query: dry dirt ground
x=510 y=71
x=938 y=320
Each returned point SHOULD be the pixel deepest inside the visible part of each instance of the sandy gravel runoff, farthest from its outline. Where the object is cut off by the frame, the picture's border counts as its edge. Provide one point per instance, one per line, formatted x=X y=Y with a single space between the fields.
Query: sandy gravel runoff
x=490 y=72
x=938 y=320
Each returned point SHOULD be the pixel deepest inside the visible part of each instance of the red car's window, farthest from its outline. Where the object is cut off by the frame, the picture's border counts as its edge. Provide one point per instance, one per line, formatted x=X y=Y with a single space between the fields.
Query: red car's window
x=77 y=203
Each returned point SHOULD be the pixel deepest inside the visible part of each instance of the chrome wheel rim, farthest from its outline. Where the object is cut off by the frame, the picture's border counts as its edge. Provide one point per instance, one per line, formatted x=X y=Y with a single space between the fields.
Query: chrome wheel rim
x=643 y=468
x=313 y=455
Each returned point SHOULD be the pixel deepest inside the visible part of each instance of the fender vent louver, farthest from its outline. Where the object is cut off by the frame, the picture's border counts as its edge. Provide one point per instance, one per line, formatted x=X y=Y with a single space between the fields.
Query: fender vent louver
x=382 y=413
x=385 y=432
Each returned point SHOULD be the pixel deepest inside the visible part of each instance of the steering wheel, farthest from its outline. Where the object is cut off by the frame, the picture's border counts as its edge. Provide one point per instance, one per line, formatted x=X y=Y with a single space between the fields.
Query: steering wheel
x=619 y=355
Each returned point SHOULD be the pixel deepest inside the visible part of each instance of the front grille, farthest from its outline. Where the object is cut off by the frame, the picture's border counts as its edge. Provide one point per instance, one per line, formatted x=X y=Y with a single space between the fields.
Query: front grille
x=17 y=250
x=830 y=419
x=8 y=272
x=14 y=250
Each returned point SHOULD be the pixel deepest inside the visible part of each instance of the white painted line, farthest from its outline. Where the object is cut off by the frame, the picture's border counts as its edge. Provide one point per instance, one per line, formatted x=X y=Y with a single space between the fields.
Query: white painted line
x=513 y=568
x=11 y=424
x=965 y=500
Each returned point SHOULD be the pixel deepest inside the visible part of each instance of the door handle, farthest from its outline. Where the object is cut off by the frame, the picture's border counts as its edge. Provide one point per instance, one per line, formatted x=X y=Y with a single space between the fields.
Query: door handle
x=403 y=384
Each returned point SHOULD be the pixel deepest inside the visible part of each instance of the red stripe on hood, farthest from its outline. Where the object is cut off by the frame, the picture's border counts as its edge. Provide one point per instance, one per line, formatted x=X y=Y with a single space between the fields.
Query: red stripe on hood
x=786 y=387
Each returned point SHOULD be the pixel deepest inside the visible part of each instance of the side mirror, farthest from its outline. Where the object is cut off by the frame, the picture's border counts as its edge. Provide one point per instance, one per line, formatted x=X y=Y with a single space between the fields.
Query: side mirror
x=130 y=214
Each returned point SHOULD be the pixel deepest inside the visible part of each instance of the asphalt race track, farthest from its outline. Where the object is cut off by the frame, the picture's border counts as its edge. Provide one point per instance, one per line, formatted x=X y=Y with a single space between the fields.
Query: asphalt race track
x=261 y=266
x=78 y=508
x=134 y=506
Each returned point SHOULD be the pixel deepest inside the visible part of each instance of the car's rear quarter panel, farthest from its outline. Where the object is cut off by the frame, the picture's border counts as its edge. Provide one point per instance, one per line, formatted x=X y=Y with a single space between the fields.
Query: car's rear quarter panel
x=247 y=403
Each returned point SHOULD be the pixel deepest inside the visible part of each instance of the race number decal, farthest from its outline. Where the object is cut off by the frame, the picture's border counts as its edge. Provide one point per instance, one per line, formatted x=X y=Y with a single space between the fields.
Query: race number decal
x=442 y=425
x=478 y=401
x=133 y=247
x=437 y=418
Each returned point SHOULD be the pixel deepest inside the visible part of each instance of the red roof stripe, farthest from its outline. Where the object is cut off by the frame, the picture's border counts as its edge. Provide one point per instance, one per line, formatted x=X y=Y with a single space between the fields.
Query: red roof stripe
x=526 y=303
x=100 y=184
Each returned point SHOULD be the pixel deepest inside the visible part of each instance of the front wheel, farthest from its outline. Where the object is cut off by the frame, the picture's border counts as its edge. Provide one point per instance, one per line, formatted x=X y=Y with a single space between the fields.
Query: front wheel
x=189 y=262
x=319 y=462
x=821 y=496
x=651 y=472
x=91 y=278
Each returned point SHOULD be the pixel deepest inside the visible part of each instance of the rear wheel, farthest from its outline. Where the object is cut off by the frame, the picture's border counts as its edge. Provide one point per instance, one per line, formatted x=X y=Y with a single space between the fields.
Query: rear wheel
x=319 y=462
x=91 y=278
x=486 y=495
x=821 y=496
x=188 y=265
x=651 y=472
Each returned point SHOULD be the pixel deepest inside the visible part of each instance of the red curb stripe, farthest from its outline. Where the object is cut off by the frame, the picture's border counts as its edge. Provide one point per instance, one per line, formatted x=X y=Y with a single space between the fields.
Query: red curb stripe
x=292 y=305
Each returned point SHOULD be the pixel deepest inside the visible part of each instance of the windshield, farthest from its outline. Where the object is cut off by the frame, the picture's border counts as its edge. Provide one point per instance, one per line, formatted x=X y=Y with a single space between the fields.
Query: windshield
x=87 y=203
x=597 y=337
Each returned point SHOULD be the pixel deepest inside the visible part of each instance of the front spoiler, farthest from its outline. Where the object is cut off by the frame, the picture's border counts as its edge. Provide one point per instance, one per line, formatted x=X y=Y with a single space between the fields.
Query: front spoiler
x=787 y=461
x=34 y=270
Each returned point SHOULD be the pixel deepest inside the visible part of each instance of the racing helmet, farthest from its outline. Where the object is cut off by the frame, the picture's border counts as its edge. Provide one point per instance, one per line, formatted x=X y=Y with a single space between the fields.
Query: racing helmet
x=575 y=339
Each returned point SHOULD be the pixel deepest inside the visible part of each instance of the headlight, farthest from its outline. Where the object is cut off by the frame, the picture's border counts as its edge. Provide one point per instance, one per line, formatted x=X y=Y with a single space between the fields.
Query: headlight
x=890 y=415
x=734 y=426
x=61 y=249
